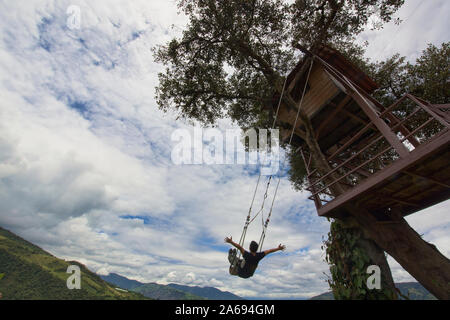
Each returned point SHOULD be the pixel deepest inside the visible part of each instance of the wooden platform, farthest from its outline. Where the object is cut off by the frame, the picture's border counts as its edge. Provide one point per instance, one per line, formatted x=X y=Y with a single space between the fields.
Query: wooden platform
x=410 y=184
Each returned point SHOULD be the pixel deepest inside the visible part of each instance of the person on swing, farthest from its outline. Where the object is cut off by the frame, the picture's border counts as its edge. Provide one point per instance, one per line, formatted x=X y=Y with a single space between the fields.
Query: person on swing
x=245 y=268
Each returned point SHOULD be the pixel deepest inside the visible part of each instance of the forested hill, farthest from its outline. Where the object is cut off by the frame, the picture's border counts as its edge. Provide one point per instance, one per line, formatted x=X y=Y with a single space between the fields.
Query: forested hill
x=28 y=272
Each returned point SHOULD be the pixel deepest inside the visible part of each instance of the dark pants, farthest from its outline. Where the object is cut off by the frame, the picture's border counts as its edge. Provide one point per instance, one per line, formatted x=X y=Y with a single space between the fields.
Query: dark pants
x=235 y=263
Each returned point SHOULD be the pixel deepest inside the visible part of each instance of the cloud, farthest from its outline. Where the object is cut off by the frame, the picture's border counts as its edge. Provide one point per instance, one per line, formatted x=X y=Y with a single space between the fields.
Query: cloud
x=85 y=168
x=423 y=22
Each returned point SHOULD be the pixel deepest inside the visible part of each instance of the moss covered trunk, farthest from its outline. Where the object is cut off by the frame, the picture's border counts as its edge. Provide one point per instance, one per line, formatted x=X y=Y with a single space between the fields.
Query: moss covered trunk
x=419 y=258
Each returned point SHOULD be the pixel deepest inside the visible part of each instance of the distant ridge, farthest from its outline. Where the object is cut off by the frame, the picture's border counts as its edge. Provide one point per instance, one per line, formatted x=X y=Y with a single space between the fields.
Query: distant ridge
x=171 y=291
x=121 y=281
x=207 y=292
x=412 y=290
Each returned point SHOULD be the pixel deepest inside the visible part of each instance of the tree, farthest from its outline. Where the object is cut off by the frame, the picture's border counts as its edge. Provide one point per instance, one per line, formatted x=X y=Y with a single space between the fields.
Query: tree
x=231 y=58
x=427 y=78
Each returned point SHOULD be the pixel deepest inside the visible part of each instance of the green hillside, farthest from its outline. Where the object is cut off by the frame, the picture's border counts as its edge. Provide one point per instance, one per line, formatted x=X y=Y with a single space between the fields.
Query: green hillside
x=28 y=272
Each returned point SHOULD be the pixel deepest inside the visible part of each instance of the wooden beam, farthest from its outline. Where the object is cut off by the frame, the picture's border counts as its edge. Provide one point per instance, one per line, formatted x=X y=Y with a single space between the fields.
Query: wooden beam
x=412 y=174
x=349 y=142
x=438 y=109
x=331 y=116
x=403 y=129
x=299 y=74
x=381 y=125
x=359 y=171
x=367 y=108
x=408 y=203
x=288 y=127
x=423 y=105
x=353 y=116
x=402 y=164
x=317 y=201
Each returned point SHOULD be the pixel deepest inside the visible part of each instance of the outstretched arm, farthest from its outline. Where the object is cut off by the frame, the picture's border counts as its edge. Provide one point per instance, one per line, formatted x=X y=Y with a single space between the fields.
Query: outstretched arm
x=280 y=247
x=238 y=246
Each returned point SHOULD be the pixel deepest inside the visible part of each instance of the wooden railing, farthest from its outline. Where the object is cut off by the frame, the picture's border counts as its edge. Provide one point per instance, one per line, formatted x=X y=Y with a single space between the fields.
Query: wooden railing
x=413 y=121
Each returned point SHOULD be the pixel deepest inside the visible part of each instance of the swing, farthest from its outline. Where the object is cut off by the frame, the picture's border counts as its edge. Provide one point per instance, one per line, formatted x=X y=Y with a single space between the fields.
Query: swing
x=249 y=220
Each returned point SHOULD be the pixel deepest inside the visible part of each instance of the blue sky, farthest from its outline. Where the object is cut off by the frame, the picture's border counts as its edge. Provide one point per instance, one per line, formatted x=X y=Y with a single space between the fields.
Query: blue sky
x=85 y=167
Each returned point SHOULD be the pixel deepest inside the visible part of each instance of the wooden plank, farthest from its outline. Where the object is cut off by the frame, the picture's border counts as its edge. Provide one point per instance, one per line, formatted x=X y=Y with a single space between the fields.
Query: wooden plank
x=408 y=203
x=351 y=115
x=423 y=105
x=373 y=115
x=299 y=74
x=322 y=90
x=331 y=116
x=381 y=125
x=349 y=142
x=427 y=178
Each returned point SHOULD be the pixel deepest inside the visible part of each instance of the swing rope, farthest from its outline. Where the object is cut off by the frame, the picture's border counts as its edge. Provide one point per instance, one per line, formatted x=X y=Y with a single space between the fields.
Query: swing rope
x=263 y=234
x=265 y=224
x=248 y=221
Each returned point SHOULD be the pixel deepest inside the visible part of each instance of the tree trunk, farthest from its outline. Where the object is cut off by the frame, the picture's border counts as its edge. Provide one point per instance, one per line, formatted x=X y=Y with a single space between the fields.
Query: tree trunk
x=350 y=254
x=419 y=258
x=378 y=257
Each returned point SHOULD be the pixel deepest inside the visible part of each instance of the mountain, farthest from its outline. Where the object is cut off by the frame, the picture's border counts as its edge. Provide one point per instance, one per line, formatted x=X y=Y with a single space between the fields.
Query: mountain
x=121 y=281
x=207 y=292
x=415 y=291
x=150 y=290
x=163 y=292
x=28 y=272
x=412 y=290
x=171 y=291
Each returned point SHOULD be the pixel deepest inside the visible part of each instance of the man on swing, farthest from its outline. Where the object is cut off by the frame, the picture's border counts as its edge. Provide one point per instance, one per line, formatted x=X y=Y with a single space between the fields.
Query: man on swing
x=245 y=268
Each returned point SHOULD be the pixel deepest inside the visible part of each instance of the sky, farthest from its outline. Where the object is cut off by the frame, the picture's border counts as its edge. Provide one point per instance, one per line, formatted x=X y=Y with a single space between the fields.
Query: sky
x=85 y=153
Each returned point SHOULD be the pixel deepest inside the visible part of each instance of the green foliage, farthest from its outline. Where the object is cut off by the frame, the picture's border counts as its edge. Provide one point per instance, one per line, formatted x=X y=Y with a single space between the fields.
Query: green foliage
x=231 y=57
x=427 y=78
x=297 y=170
x=431 y=73
x=338 y=21
x=348 y=265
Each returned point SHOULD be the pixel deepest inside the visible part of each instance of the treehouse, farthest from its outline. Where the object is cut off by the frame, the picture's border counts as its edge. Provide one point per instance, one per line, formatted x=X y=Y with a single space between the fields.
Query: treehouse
x=385 y=159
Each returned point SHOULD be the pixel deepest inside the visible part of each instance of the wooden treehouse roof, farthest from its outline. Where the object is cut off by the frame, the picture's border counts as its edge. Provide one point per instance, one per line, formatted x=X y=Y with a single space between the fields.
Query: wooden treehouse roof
x=338 y=61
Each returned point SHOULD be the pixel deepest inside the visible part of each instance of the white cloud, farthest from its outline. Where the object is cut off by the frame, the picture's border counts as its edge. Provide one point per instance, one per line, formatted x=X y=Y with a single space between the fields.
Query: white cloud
x=423 y=22
x=84 y=149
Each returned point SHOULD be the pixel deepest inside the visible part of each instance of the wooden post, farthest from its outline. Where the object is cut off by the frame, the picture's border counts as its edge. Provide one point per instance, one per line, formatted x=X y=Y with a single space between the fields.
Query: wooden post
x=317 y=201
x=379 y=123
